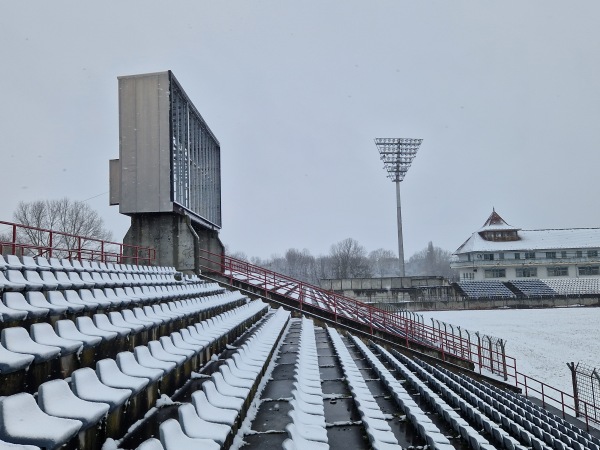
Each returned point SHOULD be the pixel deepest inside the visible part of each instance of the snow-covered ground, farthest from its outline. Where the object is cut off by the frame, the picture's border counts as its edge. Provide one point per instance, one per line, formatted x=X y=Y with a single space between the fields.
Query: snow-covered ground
x=542 y=340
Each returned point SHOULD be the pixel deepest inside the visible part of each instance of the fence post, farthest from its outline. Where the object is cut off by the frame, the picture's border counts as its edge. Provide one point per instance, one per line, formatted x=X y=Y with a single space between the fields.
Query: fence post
x=491 y=350
x=479 y=355
x=14 y=240
x=573 y=369
x=51 y=242
x=502 y=343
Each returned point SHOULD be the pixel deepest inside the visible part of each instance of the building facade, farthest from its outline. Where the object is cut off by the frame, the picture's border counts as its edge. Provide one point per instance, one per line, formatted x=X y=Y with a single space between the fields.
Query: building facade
x=499 y=251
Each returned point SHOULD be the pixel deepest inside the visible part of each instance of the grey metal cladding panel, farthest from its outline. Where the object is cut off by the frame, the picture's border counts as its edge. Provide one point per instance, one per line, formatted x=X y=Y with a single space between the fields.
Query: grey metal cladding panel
x=144 y=141
x=127 y=145
x=114 y=182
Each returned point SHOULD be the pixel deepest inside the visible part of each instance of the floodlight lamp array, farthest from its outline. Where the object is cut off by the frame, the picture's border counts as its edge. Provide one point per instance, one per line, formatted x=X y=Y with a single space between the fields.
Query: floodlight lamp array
x=397 y=155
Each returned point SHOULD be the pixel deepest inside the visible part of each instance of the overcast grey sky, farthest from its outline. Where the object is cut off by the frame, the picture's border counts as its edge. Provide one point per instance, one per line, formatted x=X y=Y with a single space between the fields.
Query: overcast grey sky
x=505 y=95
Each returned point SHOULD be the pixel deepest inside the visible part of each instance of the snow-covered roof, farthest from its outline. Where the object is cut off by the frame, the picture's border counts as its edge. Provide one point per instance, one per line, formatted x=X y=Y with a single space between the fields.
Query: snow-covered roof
x=496 y=223
x=548 y=239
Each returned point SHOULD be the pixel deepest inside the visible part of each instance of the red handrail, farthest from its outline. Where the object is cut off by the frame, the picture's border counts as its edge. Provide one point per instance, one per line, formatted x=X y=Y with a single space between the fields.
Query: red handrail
x=50 y=243
x=410 y=331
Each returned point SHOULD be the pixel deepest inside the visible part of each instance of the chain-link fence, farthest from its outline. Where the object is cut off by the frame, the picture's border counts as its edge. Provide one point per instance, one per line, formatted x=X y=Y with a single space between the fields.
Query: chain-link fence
x=487 y=352
x=586 y=390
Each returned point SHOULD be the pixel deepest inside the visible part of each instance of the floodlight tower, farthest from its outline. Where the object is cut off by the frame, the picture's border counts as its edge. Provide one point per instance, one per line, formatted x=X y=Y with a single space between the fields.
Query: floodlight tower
x=397 y=155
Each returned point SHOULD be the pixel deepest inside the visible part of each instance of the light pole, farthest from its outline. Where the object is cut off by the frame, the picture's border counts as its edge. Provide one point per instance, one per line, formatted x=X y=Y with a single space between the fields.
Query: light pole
x=397 y=155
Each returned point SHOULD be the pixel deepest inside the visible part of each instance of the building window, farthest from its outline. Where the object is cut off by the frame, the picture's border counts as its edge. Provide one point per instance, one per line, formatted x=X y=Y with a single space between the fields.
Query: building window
x=488 y=256
x=517 y=256
x=550 y=255
x=558 y=271
x=527 y=272
x=501 y=256
x=563 y=254
x=468 y=275
x=495 y=273
x=579 y=254
x=589 y=270
x=468 y=257
x=592 y=253
x=529 y=255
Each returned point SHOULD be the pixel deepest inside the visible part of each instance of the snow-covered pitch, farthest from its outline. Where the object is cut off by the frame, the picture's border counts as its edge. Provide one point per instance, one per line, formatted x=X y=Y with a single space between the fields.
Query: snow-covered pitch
x=542 y=340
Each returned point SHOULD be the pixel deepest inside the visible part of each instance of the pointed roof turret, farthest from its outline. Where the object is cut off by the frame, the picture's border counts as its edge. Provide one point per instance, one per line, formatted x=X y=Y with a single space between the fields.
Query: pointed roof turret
x=496 y=223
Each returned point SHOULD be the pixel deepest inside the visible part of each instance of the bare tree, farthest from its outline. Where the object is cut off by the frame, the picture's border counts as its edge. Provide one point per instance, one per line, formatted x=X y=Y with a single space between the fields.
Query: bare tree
x=384 y=263
x=74 y=218
x=430 y=261
x=349 y=259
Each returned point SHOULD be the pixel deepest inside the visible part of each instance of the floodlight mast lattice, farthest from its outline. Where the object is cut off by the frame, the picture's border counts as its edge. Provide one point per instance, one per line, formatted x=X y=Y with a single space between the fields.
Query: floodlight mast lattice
x=397 y=155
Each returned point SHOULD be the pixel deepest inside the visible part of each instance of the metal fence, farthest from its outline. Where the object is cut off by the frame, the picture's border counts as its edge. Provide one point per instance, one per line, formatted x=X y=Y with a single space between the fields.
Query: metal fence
x=24 y=240
x=586 y=390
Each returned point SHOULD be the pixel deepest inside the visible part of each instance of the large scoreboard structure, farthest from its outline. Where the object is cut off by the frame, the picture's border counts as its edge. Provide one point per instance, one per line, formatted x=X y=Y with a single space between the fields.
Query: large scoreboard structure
x=168 y=175
x=169 y=159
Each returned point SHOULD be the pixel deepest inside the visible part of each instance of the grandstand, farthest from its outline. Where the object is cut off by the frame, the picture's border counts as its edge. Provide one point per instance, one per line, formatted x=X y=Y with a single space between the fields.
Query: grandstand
x=485 y=289
x=97 y=353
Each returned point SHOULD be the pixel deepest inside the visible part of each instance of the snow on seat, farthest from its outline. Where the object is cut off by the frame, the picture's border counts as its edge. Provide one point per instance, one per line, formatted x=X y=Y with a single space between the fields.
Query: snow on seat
x=12 y=361
x=37 y=283
x=8 y=314
x=372 y=417
x=149 y=444
x=16 y=339
x=13 y=263
x=172 y=437
x=38 y=299
x=72 y=296
x=66 y=329
x=7 y=285
x=132 y=318
x=196 y=427
x=102 y=322
x=101 y=296
x=87 y=386
x=227 y=389
x=76 y=280
x=61 y=278
x=109 y=374
x=87 y=296
x=56 y=399
x=117 y=319
x=169 y=347
x=146 y=359
x=470 y=435
x=87 y=326
x=43 y=264
x=23 y=422
x=55 y=265
x=8 y=446
x=16 y=300
x=130 y=366
x=298 y=442
x=211 y=413
x=44 y=334
x=234 y=380
x=159 y=352
x=311 y=431
x=219 y=399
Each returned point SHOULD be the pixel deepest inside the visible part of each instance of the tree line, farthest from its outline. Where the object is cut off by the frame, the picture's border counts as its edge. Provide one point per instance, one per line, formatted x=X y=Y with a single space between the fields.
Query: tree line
x=346 y=259
x=349 y=259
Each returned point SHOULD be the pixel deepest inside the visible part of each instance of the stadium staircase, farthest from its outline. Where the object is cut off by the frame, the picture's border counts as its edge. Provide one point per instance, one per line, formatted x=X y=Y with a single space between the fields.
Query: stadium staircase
x=108 y=355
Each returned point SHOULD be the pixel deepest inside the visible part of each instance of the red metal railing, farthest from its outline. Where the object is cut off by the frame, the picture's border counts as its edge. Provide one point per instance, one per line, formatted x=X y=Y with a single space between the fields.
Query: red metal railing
x=21 y=240
x=409 y=330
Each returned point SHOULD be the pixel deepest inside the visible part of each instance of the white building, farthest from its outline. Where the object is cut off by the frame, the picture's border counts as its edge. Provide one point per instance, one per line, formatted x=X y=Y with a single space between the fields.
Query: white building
x=499 y=251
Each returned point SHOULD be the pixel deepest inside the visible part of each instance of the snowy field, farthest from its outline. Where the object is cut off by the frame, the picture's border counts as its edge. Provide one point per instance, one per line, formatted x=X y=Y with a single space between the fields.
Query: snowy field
x=542 y=340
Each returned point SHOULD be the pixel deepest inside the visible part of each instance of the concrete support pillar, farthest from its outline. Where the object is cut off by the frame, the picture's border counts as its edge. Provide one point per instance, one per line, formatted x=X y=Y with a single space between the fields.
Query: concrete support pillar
x=178 y=240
